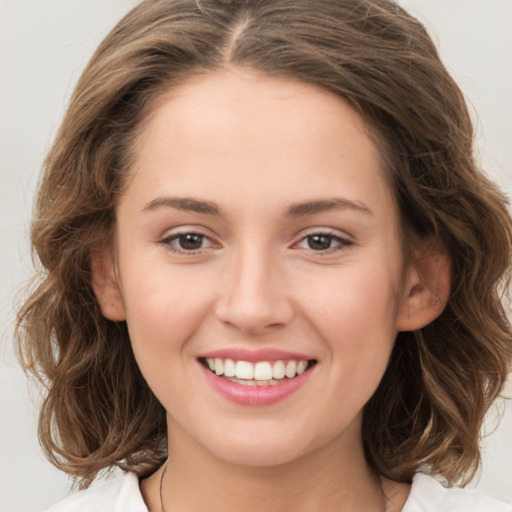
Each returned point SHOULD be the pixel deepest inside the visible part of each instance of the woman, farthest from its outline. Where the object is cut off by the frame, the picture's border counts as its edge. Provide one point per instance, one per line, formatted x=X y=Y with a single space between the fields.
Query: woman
x=273 y=271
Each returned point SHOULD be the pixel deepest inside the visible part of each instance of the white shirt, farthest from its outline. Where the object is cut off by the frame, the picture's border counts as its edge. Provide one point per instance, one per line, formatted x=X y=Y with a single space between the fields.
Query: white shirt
x=122 y=494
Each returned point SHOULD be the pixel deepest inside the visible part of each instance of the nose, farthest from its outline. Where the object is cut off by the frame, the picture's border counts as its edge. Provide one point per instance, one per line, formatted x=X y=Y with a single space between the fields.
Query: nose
x=254 y=297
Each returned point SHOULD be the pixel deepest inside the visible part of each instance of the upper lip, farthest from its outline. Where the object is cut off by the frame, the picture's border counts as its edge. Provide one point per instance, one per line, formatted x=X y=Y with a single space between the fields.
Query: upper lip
x=264 y=354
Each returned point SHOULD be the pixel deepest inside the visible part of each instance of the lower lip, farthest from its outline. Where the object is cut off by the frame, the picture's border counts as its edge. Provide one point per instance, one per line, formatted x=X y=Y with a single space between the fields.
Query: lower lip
x=255 y=395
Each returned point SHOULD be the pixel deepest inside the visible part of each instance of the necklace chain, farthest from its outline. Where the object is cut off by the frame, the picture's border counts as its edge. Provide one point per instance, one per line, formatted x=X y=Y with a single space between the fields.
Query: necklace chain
x=161 y=486
x=165 y=470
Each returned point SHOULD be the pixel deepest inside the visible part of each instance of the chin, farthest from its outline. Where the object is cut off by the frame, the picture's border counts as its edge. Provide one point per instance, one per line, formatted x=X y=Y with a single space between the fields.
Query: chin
x=258 y=457
x=259 y=448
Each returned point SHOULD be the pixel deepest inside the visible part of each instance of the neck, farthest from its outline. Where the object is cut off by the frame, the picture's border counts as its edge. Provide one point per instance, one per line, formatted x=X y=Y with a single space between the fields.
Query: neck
x=335 y=477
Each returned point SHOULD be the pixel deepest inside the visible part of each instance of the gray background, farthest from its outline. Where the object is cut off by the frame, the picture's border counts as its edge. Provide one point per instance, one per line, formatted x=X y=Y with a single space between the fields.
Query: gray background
x=44 y=44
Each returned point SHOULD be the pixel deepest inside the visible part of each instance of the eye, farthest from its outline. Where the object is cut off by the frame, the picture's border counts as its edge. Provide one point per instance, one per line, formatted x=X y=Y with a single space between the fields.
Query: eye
x=187 y=242
x=323 y=242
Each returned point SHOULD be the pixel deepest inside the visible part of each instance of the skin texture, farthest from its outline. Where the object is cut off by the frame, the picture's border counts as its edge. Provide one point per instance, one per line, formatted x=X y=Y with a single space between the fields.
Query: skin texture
x=254 y=147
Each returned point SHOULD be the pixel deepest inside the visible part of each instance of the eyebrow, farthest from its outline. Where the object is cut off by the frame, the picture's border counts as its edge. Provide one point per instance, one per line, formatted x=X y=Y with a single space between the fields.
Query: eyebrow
x=184 y=203
x=335 y=203
x=296 y=210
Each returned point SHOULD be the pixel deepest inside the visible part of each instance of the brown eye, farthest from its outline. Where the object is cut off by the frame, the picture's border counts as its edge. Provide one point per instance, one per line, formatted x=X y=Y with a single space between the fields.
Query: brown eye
x=186 y=242
x=324 y=243
x=190 y=241
x=320 y=242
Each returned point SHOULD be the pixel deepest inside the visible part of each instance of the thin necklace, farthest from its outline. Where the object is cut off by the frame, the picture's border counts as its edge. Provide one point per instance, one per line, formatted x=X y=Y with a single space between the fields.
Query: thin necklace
x=385 y=501
x=161 y=485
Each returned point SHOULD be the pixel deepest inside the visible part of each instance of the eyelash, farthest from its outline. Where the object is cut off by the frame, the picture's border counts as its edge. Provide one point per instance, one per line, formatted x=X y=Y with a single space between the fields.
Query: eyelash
x=168 y=242
x=341 y=242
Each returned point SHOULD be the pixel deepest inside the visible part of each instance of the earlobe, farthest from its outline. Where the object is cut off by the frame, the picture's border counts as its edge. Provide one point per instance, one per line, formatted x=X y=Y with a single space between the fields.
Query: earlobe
x=427 y=288
x=105 y=285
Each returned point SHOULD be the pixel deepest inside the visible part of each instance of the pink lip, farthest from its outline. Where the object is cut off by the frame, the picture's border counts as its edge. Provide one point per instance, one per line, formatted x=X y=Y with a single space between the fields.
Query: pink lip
x=253 y=356
x=255 y=395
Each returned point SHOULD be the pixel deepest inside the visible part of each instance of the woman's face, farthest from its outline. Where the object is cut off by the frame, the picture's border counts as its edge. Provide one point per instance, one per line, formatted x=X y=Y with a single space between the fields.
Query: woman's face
x=258 y=235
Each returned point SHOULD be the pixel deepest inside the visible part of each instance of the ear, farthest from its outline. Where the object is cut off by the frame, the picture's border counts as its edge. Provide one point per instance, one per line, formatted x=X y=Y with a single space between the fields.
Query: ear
x=105 y=285
x=427 y=288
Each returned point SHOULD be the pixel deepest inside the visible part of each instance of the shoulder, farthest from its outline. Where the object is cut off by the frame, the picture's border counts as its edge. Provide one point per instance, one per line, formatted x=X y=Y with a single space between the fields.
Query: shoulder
x=429 y=495
x=120 y=494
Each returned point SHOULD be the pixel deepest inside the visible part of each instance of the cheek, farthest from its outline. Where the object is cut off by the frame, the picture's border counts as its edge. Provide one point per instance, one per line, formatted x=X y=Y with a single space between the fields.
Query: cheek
x=354 y=304
x=162 y=316
x=356 y=319
x=162 y=313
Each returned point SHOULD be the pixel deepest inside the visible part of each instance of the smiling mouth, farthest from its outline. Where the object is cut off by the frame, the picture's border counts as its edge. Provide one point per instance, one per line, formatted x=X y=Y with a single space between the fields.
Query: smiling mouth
x=261 y=373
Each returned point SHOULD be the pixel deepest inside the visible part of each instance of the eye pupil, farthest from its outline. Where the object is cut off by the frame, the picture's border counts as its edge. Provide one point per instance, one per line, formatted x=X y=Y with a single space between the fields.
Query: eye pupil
x=319 y=242
x=191 y=241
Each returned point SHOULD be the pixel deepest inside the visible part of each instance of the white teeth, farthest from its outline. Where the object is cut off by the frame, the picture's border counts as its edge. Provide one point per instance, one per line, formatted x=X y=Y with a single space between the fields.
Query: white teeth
x=263 y=371
x=229 y=368
x=301 y=367
x=291 y=369
x=244 y=370
x=219 y=366
x=278 y=370
x=270 y=382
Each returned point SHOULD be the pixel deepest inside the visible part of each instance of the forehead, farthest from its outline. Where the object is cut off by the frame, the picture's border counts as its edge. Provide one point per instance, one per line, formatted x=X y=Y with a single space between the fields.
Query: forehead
x=244 y=99
x=239 y=130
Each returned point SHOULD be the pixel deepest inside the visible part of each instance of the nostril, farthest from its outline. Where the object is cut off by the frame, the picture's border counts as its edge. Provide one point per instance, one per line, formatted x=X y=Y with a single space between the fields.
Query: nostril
x=254 y=305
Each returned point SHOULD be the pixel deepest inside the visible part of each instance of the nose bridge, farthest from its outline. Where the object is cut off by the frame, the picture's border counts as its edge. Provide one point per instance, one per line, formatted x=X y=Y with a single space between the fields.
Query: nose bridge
x=254 y=296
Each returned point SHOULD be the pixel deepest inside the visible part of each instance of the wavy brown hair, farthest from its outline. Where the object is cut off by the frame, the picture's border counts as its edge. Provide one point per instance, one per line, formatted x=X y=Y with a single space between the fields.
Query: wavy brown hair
x=427 y=412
